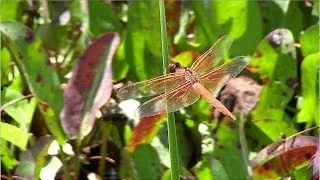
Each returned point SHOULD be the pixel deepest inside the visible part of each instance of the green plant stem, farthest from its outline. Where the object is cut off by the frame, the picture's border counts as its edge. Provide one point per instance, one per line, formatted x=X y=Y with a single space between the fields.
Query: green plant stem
x=65 y=165
x=244 y=147
x=173 y=148
x=103 y=149
x=77 y=162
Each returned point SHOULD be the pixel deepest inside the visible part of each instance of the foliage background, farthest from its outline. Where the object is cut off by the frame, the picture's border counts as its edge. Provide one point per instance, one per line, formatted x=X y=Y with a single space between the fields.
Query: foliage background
x=278 y=96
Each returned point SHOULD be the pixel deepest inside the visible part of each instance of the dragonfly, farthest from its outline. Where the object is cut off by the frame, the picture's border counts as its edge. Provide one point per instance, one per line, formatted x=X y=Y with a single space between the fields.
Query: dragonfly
x=184 y=87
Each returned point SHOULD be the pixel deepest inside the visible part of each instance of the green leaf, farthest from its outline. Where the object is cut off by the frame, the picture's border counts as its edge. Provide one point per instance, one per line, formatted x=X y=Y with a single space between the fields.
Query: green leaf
x=14 y=135
x=240 y=19
x=227 y=150
x=42 y=79
x=9 y=9
x=186 y=58
x=208 y=167
x=50 y=170
x=280 y=13
x=184 y=174
x=6 y=68
x=101 y=18
x=89 y=87
x=7 y=158
x=33 y=159
x=309 y=39
x=275 y=62
x=147 y=162
x=310 y=89
x=120 y=65
x=27 y=51
x=127 y=166
x=143 y=47
x=22 y=111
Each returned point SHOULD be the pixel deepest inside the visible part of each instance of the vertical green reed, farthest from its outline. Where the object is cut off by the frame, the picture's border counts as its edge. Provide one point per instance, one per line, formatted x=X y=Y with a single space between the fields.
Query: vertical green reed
x=174 y=158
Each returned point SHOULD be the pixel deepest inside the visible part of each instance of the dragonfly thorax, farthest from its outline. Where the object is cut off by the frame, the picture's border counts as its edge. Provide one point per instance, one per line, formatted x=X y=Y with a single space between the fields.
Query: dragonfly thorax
x=191 y=76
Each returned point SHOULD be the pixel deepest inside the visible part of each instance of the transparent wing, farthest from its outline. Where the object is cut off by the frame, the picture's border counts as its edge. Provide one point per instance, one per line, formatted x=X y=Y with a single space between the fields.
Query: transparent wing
x=218 y=77
x=213 y=56
x=151 y=87
x=178 y=98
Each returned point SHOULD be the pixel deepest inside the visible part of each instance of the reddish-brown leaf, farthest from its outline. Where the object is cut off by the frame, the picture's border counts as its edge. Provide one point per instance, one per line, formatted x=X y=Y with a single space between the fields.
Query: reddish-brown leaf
x=145 y=131
x=89 y=87
x=280 y=158
x=315 y=163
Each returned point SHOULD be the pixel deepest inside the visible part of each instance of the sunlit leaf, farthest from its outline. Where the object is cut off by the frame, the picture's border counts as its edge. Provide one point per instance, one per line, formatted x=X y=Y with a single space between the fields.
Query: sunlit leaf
x=307 y=40
x=14 y=135
x=89 y=87
x=9 y=9
x=51 y=169
x=120 y=65
x=22 y=111
x=208 y=167
x=275 y=62
x=143 y=47
x=186 y=58
x=8 y=161
x=239 y=19
x=310 y=89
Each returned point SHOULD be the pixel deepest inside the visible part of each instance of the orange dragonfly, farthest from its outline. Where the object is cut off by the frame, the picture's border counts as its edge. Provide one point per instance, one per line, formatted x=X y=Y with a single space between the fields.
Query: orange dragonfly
x=185 y=86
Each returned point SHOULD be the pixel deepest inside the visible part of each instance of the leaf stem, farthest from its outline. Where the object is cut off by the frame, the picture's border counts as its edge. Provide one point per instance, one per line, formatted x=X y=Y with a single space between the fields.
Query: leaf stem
x=173 y=148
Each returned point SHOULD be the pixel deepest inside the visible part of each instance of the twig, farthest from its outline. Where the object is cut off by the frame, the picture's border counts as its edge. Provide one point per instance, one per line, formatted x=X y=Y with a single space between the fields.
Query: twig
x=15 y=101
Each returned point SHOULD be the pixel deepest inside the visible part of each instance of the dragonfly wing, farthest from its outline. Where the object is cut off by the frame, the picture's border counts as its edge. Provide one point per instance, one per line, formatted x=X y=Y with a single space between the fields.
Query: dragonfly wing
x=217 y=78
x=151 y=87
x=178 y=98
x=213 y=56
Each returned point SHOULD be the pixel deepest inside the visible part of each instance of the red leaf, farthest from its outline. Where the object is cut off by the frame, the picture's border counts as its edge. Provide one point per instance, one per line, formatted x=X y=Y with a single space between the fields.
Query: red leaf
x=89 y=87
x=315 y=163
x=145 y=131
x=280 y=158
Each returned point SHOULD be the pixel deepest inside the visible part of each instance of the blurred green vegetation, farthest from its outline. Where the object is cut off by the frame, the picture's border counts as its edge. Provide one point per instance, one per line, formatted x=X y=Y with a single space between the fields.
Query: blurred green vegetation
x=42 y=41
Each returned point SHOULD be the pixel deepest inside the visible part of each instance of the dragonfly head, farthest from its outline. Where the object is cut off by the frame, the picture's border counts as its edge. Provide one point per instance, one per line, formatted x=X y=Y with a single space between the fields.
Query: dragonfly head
x=174 y=66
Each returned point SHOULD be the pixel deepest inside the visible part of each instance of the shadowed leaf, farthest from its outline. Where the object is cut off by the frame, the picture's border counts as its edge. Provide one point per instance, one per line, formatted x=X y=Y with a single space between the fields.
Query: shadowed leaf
x=33 y=64
x=33 y=159
x=147 y=162
x=227 y=150
x=89 y=87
